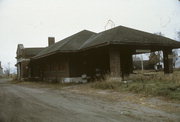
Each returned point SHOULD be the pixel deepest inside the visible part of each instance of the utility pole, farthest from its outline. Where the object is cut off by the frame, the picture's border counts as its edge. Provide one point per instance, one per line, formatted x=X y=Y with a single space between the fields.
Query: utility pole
x=8 y=69
x=142 y=63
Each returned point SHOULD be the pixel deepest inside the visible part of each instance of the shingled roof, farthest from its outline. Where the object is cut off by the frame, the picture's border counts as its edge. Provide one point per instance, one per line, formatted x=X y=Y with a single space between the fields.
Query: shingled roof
x=119 y=35
x=31 y=51
x=27 y=52
x=127 y=36
x=70 y=44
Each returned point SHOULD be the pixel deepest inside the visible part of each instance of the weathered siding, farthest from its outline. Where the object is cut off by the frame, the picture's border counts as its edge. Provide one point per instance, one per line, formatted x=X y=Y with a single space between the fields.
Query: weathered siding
x=121 y=62
x=115 y=62
x=88 y=62
x=53 y=68
x=24 y=69
x=55 y=71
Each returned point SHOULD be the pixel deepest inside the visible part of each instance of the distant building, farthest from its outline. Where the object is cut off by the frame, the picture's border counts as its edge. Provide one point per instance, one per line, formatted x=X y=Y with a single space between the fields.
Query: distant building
x=1 y=70
x=23 y=59
x=177 y=63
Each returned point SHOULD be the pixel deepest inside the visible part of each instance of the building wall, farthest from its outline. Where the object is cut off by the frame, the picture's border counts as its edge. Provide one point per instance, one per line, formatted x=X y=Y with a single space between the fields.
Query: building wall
x=105 y=60
x=115 y=62
x=56 y=71
x=89 y=62
x=74 y=65
x=23 y=70
x=121 y=63
x=53 y=68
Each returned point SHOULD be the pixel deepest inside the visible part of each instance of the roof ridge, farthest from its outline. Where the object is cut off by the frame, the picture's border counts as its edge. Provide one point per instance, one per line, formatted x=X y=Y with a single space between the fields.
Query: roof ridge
x=75 y=35
x=88 y=40
x=33 y=47
x=121 y=35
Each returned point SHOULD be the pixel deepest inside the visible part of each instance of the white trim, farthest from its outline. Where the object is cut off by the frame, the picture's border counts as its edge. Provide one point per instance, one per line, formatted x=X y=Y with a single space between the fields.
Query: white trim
x=22 y=59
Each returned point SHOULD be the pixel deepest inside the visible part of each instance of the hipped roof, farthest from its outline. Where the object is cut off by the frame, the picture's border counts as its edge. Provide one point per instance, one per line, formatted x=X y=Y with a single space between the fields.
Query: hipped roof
x=119 y=35
x=70 y=44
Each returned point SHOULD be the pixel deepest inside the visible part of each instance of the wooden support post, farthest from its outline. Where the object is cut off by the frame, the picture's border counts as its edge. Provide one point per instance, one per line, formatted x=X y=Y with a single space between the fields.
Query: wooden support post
x=22 y=71
x=130 y=63
x=115 y=66
x=19 y=71
x=168 y=61
x=126 y=62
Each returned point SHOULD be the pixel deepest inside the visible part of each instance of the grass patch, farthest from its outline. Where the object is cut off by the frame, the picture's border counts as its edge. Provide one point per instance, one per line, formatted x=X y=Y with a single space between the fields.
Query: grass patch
x=155 y=84
x=106 y=85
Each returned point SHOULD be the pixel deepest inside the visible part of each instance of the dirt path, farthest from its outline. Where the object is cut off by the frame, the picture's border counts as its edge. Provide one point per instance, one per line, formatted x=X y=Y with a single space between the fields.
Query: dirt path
x=19 y=103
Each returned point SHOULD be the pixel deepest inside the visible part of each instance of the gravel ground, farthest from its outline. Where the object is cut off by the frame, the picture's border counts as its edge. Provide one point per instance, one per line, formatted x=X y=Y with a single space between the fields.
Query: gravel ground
x=23 y=103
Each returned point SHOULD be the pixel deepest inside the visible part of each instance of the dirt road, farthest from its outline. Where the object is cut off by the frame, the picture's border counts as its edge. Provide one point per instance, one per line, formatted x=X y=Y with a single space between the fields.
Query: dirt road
x=20 y=103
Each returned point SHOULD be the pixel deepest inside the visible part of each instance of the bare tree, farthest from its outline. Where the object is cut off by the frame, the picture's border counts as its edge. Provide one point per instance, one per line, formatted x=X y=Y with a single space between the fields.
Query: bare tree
x=7 y=70
x=159 y=33
x=178 y=35
x=175 y=57
x=154 y=58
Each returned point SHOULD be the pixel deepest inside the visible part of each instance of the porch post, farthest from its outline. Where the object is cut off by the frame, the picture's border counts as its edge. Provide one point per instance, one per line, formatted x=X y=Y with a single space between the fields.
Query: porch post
x=130 y=63
x=114 y=59
x=168 y=61
x=19 y=71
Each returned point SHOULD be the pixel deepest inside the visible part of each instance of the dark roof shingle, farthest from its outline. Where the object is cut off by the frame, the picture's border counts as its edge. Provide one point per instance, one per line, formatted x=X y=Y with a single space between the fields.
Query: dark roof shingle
x=72 y=43
x=126 y=36
x=119 y=35
x=29 y=52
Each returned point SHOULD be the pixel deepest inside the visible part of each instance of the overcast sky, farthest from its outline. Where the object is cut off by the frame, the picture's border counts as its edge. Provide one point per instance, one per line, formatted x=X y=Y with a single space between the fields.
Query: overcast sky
x=30 y=22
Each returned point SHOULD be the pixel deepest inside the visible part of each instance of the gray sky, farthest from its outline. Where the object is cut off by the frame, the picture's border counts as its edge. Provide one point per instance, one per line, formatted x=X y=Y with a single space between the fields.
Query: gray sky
x=30 y=22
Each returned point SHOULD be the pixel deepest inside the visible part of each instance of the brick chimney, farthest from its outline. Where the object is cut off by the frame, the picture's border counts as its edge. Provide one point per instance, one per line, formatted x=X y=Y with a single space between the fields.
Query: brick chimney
x=51 y=40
